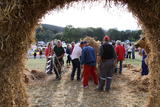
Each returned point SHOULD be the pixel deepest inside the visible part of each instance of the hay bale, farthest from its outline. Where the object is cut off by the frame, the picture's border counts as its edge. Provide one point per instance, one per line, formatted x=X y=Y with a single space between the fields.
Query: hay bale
x=38 y=75
x=143 y=43
x=33 y=75
x=136 y=70
x=141 y=83
x=25 y=76
x=93 y=43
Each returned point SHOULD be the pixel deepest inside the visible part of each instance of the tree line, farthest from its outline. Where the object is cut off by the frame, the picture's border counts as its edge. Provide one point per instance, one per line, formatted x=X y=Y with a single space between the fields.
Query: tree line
x=69 y=33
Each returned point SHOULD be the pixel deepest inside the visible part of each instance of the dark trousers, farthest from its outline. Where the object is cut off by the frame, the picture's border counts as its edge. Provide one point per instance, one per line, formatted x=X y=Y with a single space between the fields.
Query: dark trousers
x=68 y=59
x=106 y=70
x=129 y=55
x=76 y=67
x=133 y=55
x=119 y=67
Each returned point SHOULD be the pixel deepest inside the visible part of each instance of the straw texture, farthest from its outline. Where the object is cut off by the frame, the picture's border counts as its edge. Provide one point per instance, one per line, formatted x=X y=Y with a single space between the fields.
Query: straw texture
x=18 y=19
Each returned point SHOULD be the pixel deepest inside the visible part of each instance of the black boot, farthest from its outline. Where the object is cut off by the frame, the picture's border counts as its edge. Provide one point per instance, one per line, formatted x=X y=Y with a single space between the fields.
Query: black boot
x=108 y=84
x=101 y=84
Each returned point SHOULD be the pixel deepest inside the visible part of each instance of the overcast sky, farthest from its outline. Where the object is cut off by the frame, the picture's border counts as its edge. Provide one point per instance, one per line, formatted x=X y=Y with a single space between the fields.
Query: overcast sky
x=92 y=15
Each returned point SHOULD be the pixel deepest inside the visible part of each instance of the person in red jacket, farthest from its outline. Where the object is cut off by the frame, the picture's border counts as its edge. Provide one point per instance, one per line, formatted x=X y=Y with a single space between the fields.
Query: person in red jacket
x=48 y=50
x=49 y=60
x=120 y=51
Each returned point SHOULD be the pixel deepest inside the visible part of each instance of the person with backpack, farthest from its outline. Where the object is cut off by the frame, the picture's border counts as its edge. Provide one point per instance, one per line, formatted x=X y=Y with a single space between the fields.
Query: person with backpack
x=107 y=59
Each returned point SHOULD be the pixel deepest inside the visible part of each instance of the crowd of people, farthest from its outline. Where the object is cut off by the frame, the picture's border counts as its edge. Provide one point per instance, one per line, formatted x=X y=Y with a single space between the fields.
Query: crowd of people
x=83 y=58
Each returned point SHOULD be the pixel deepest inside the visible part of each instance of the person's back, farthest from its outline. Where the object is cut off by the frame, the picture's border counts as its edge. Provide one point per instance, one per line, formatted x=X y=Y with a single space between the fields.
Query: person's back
x=76 y=53
x=108 y=51
x=88 y=56
x=106 y=59
x=120 y=51
x=88 y=60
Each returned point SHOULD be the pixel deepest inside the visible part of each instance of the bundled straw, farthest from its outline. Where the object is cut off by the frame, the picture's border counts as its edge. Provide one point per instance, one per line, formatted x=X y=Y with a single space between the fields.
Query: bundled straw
x=93 y=43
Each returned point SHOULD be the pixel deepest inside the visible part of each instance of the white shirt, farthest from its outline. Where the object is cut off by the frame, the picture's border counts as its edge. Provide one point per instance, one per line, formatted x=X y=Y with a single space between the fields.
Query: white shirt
x=77 y=52
x=129 y=48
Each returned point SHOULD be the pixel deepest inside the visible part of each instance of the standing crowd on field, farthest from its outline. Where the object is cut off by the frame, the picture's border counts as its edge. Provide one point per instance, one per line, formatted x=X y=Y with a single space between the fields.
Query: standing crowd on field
x=85 y=61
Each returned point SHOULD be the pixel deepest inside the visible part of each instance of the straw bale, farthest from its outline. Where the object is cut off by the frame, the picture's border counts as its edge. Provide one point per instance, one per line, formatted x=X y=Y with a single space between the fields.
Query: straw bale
x=93 y=43
x=143 y=43
x=141 y=83
x=38 y=74
x=33 y=75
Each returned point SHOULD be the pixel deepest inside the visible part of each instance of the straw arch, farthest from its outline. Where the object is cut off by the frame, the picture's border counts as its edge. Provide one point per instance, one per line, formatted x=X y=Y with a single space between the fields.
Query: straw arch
x=18 y=19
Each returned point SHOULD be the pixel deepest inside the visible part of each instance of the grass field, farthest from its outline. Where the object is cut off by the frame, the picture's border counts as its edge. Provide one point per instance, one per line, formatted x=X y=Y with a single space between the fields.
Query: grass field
x=36 y=64
x=39 y=64
x=135 y=62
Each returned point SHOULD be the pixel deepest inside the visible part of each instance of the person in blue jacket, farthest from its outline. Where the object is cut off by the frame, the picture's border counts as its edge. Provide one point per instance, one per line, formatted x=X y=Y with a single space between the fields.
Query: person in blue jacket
x=88 y=60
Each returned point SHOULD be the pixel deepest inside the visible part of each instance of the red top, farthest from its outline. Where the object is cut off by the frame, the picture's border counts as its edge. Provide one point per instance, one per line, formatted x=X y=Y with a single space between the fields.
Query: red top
x=120 y=51
x=48 y=51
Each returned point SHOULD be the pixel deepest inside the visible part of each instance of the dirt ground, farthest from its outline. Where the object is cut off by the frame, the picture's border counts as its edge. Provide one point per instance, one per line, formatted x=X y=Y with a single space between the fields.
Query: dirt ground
x=66 y=93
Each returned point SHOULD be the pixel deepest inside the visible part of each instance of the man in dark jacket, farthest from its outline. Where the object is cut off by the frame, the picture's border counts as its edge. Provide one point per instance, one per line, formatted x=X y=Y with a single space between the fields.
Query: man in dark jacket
x=106 y=58
x=59 y=52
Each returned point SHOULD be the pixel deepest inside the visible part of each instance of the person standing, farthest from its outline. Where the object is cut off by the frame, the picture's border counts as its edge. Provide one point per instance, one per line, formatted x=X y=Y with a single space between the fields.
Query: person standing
x=75 y=56
x=48 y=54
x=133 y=51
x=35 y=54
x=144 y=66
x=129 y=51
x=68 y=52
x=120 y=52
x=40 y=53
x=72 y=46
x=107 y=58
x=88 y=60
x=48 y=50
x=59 y=54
